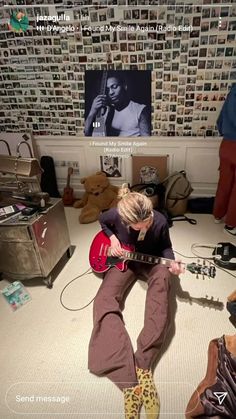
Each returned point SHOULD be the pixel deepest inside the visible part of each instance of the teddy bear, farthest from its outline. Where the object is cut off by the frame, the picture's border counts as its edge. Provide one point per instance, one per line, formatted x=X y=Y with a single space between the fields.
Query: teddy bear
x=99 y=195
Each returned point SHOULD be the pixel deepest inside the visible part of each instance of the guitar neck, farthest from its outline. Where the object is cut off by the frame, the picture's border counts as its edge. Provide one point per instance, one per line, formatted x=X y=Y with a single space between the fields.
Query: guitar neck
x=69 y=173
x=103 y=89
x=152 y=260
x=103 y=83
x=142 y=257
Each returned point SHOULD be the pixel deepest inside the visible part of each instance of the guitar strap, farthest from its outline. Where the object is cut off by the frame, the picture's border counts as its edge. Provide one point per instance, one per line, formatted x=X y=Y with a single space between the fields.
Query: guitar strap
x=184 y=218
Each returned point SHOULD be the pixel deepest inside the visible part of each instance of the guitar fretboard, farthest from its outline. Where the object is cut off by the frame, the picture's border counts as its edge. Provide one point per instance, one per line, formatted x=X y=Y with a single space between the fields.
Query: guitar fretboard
x=103 y=88
x=141 y=257
x=103 y=83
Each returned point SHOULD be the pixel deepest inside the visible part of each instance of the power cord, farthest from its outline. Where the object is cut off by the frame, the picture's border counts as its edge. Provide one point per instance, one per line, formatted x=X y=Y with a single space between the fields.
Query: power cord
x=202 y=246
x=62 y=292
x=184 y=256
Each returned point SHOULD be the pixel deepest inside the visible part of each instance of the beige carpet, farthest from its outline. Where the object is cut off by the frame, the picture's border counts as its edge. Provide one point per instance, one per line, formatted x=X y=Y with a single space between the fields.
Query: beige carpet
x=43 y=350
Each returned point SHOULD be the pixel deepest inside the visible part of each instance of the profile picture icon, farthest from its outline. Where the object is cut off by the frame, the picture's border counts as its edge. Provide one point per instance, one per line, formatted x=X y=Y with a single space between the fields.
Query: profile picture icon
x=19 y=22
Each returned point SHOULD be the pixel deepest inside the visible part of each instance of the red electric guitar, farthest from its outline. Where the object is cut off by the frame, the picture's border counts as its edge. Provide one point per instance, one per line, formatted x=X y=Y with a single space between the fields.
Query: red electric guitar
x=101 y=260
x=68 y=194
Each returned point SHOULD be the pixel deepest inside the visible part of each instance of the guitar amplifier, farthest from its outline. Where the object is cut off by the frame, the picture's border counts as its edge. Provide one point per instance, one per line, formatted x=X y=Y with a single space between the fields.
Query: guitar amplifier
x=225 y=255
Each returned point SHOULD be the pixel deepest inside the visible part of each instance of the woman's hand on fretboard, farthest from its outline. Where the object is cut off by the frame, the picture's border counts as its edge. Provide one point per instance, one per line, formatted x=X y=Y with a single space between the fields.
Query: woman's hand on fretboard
x=177 y=267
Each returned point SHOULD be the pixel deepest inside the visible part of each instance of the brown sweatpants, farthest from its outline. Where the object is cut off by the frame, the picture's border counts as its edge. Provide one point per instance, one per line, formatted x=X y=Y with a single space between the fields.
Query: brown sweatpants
x=110 y=349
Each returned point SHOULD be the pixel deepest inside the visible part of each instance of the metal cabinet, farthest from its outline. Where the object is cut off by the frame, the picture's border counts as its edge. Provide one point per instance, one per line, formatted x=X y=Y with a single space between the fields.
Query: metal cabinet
x=32 y=248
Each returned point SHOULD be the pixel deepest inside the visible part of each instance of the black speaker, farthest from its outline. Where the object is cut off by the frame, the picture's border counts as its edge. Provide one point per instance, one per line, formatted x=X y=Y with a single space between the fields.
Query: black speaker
x=225 y=255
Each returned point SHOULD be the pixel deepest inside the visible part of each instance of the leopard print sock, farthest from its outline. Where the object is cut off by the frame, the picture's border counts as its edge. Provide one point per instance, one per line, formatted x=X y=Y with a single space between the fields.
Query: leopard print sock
x=151 y=400
x=133 y=402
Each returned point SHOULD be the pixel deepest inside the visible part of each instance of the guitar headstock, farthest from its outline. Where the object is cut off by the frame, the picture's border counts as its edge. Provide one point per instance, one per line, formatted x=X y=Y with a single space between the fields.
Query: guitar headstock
x=208 y=302
x=204 y=270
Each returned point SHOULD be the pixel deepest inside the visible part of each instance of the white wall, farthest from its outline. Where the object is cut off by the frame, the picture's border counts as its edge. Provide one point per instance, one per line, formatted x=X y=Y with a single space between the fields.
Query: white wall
x=198 y=156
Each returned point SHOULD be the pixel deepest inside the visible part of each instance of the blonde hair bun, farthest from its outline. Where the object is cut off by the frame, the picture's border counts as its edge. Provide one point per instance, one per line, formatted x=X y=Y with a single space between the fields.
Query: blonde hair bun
x=133 y=207
x=123 y=191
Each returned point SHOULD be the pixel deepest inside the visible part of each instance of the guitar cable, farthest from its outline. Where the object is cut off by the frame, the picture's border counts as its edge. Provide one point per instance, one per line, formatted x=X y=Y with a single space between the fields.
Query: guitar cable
x=89 y=271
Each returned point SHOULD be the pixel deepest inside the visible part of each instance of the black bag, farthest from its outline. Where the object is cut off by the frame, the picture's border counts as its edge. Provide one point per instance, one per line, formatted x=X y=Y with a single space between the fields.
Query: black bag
x=48 y=179
x=201 y=205
x=231 y=307
x=152 y=190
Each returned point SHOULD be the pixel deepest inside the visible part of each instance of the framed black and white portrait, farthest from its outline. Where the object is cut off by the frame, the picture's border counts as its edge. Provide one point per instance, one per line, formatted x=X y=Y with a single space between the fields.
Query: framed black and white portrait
x=118 y=103
x=112 y=166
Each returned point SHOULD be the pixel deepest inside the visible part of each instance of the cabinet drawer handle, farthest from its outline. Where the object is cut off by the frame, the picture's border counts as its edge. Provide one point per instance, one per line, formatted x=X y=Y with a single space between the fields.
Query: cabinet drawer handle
x=44 y=232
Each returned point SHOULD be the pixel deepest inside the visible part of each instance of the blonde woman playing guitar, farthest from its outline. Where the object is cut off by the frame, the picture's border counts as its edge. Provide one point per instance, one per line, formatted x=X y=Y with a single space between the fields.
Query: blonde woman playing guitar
x=133 y=222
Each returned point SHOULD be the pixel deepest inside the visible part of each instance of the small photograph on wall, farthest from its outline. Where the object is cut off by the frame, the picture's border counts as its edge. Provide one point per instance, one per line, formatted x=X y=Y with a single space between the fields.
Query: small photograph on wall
x=63 y=165
x=111 y=166
x=117 y=103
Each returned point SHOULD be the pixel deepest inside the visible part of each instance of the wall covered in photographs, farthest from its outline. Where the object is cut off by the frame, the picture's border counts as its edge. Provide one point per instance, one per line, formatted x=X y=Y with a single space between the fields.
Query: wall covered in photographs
x=189 y=49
